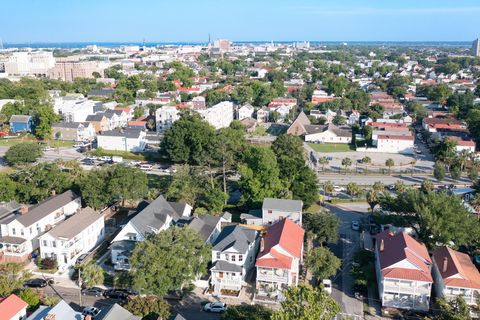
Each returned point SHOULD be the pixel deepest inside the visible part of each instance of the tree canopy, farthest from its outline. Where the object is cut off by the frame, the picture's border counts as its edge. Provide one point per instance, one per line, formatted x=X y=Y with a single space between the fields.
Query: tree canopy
x=24 y=152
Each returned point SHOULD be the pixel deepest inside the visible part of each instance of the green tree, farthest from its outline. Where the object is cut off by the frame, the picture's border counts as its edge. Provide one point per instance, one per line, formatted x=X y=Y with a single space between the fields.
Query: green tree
x=455 y=172
x=440 y=93
x=230 y=144
x=373 y=198
x=189 y=140
x=321 y=227
x=44 y=117
x=353 y=189
x=127 y=183
x=305 y=186
x=9 y=188
x=12 y=277
x=259 y=176
x=185 y=185
x=427 y=186
x=91 y=275
x=23 y=152
x=306 y=303
x=378 y=186
x=138 y=112
x=400 y=186
x=245 y=311
x=346 y=162
x=149 y=308
x=322 y=263
x=94 y=188
x=456 y=309
x=31 y=297
x=389 y=163
x=444 y=151
x=439 y=170
x=328 y=187
x=169 y=260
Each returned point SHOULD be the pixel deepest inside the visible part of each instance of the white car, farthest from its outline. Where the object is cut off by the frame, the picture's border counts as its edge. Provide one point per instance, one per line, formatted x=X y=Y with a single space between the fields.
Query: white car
x=135 y=163
x=48 y=148
x=339 y=189
x=105 y=158
x=327 y=285
x=217 y=307
x=90 y=311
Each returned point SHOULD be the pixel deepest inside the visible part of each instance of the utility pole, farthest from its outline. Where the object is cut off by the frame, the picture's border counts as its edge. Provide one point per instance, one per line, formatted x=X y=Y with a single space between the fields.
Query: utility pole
x=80 y=284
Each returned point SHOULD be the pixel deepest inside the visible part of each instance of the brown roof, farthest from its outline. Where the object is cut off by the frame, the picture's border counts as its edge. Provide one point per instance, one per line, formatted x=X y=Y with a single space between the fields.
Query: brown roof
x=72 y=226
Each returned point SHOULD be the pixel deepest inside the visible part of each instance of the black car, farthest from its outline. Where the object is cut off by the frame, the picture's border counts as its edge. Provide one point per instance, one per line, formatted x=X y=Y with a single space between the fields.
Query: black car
x=38 y=283
x=95 y=291
x=81 y=258
x=115 y=294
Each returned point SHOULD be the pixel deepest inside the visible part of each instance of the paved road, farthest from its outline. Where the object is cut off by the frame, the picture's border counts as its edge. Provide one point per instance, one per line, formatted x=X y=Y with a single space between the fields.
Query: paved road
x=189 y=308
x=348 y=243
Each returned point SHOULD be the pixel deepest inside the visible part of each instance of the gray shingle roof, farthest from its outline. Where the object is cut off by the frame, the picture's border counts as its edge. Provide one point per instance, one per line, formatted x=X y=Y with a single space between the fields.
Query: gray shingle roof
x=179 y=317
x=222 y=265
x=20 y=118
x=95 y=117
x=61 y=311
x=72 y=226
x=12 y=240
x=128 y=133
x=154 y=216
x=7 y=208
x=282 y=205
x=236 y=237
x=116 y=312
x=44 y=208
x=204 y=225
x=70 y=125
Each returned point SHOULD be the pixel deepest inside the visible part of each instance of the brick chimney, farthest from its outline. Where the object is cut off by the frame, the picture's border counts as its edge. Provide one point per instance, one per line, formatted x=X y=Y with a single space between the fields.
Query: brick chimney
x=445 y=264
x=88 y=317
x=23 y=209
x=50 y=316
x=382 y=245
x=262 y=244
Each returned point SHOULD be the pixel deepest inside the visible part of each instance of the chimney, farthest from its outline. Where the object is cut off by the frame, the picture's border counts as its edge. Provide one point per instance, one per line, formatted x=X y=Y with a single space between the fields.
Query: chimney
x=445 y=264
x=53 y=193
x=382 y=245
x=23 y=209
x=262 y=244
x=50 y=316
x=88 y=317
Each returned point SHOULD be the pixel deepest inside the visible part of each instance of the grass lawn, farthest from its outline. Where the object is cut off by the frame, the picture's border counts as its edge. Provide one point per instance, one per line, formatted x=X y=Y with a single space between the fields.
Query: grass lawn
x=51 y=143
x=331 y=147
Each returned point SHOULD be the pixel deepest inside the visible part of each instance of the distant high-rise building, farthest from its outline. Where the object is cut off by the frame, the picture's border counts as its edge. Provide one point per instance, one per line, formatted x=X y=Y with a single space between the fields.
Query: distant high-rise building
x=222 y=44
x=476 y=48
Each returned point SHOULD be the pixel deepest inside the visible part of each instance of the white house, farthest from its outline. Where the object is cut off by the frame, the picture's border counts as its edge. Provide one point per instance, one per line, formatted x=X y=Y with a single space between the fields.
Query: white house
x=328 y=134
x=72 y=237
x=455 y=274
x=118 y=118
x=394 y=143
x=165 y=116
x=73 y=131
x=219 y=115
x=233 y=257
x=153 y=218
x=73 y=108
x=245 y=111
x=274 y=210
x=403 y=269
x=278 y=262
x=20 y=232
x=129 y=139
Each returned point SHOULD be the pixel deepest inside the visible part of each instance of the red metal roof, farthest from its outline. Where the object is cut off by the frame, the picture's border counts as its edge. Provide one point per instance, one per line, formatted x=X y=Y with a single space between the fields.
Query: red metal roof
x=288 y=236
x=459 y=272
x=10 y=306
x=401 y=247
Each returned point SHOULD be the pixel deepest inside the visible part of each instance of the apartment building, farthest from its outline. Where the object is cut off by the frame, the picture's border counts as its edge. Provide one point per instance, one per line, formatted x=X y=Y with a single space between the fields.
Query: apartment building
x=71 y=70
x=72 y=237
x=165 y=116
x=219 y=115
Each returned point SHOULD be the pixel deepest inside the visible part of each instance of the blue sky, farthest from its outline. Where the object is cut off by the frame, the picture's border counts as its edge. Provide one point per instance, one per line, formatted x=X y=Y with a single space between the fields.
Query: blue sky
x=192 y=20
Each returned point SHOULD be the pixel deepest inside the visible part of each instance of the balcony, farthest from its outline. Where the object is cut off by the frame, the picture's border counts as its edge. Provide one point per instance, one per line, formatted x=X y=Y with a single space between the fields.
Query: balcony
x=407 y=288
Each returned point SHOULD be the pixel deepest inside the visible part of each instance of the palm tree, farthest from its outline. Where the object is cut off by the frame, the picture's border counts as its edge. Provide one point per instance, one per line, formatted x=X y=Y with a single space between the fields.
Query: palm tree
x=475 y=203
x=389 y=163
x=346 y=162
x=366 y=160
x=400 y=186
x=413 y=163
x=323 y=161
x=373 y=199
x=353 y=189
x=462 y=158
x=328 y=187
x=378 y=186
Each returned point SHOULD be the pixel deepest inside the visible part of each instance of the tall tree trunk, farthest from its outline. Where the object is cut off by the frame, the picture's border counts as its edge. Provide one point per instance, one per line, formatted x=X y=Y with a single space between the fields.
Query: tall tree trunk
x=224 y=178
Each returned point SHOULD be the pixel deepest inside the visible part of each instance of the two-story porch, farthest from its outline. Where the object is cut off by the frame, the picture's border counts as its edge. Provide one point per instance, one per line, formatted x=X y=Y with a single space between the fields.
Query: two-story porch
x=272 y=281
x=405 y=294
x=226 y=276
x=14 y=249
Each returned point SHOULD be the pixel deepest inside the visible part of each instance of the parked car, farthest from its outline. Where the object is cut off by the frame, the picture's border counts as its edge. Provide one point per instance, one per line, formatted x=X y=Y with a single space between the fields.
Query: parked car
x=391 y=187
x=217 y=307
x=339 y=189
x=327 y=285
x=418 y=151
x=95 y=291
x=90 y=311
x=81 y=258
x=146 y=167
x=105 y=158
x=115 y=294
x=38 y=283
x=48 y=148
x=355 y=225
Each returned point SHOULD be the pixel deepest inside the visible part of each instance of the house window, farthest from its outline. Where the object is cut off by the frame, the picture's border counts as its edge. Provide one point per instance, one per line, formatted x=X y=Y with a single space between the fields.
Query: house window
x=233 y=258
x=218 y=255
x=226 y=256
x=45 y=243
x=13 y=231
x=233 y=274
x=240 y=257
x=269 y=211
x=54 y=244
x=22 y=232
